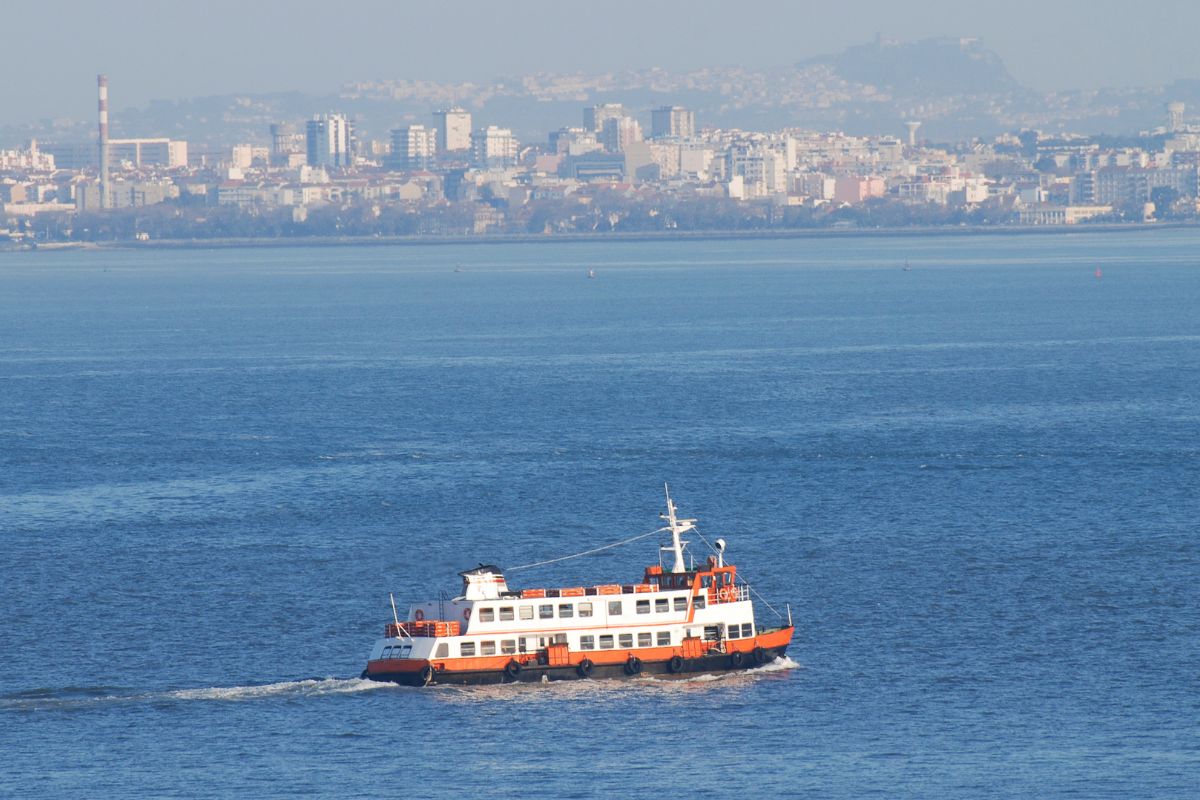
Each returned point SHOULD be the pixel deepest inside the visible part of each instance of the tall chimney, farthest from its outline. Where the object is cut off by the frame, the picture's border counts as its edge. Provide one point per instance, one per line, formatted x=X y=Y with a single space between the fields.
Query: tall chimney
x=102 y=91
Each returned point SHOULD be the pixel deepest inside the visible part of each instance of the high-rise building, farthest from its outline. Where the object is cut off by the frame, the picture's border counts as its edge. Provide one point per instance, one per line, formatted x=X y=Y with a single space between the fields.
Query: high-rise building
x=672 y=121
x=620 y=132
x=286 y=140
x=594 y=117
x=453 y=126
x=494 y=147
x=413 y=147
x=330 y=141
x=1175 y=116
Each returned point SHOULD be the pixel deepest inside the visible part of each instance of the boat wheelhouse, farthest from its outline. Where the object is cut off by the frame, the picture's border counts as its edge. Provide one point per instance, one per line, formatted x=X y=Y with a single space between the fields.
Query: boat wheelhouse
x=686 y=620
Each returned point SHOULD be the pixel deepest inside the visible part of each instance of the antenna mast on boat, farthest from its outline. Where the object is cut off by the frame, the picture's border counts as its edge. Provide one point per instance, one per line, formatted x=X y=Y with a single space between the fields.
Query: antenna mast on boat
x=676 y=526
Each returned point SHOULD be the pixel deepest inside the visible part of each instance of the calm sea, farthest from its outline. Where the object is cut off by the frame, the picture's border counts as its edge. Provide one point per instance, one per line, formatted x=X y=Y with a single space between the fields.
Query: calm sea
x=976 y=483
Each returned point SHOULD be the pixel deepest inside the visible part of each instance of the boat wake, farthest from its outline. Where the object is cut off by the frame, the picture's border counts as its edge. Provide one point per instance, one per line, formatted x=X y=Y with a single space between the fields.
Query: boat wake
x=78 y=698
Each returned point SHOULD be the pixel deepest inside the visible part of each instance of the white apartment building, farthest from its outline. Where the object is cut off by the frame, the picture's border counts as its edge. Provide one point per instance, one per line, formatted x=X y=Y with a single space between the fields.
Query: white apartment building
x=494 y=147
x=453 y=126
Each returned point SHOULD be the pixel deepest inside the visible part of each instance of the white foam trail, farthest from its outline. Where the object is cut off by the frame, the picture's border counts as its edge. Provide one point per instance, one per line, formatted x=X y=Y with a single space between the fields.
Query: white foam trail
x=310 y=687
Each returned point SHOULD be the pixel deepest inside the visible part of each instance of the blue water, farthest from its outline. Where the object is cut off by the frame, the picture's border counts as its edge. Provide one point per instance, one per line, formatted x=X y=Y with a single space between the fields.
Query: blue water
x=974 y=482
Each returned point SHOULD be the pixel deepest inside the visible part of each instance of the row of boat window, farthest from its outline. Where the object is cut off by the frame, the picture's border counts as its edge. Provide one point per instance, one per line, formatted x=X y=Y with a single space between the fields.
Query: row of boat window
x=584 y=609
x=605 y=641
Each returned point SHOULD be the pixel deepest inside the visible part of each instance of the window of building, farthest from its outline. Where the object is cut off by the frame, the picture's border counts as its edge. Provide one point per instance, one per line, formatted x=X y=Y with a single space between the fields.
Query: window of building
x=566 y=611
x=487 y=615
x=487 y=648
x=747 y=630
x=466 y=649
x=645 y=639
x=546 y=612
x=585 y=609
x=625 y=640
x=662 y=604
x=681 y=604
x=643 y=606
x=506 y=613
x=700 y=601
x=587 y=642
x=664 y=638
x=734 y=632
x=606 y=641
x=508 y=646
x=443 y=651
x=614 y=608
x=526 y=612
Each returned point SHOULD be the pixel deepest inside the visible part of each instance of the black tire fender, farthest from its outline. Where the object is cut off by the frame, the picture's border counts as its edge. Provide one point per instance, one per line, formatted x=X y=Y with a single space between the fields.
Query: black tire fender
x=737 y=659
x=585 y=668
x=633 y=666
x=760 y=655
x=513 y=669
x=427 y=675
x=675 y=665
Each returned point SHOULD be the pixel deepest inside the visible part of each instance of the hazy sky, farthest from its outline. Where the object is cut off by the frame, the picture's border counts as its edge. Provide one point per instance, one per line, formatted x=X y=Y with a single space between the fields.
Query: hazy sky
x=169 y=49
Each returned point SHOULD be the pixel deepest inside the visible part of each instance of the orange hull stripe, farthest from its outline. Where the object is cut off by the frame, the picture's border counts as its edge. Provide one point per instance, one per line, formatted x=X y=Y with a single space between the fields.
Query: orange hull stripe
x=498 y=663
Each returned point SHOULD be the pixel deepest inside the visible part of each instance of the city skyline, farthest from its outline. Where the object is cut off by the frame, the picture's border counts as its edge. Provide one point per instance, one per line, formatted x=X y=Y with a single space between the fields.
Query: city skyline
x=233 y=48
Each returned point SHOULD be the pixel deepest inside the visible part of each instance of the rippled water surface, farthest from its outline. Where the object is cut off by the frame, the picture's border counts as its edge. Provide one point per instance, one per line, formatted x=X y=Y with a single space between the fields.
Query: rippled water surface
x=974 y=482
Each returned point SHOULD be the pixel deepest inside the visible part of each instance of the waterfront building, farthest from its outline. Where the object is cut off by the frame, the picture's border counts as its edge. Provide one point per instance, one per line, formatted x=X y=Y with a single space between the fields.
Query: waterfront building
x=493 y=147
x=329 y=140
x=413 y=147
x=453 y=126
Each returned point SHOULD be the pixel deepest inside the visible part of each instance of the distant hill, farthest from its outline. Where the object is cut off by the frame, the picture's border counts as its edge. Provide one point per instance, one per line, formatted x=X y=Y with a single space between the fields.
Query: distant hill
x=929 y=67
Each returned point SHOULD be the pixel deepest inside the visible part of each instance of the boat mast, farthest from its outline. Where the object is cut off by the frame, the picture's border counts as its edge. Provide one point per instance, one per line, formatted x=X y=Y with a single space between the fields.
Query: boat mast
x=676 y=526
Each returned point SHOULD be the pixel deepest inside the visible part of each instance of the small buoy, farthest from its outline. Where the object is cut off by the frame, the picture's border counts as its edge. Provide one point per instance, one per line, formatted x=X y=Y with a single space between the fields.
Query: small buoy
x=1099 y=274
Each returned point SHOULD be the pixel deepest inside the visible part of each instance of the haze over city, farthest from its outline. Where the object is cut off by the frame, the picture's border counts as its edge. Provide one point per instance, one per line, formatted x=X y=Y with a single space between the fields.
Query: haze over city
x=173 y=51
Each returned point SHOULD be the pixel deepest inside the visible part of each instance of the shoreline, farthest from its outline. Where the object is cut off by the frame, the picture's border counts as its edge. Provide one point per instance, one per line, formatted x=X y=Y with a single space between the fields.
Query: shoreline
x=572 y=238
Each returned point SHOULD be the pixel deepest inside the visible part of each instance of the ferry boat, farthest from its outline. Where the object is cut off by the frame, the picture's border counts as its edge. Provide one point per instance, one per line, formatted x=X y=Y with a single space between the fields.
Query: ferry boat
x=673 y=623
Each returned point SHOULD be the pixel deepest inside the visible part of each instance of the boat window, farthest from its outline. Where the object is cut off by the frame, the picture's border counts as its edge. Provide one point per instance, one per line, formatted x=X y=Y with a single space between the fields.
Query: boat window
x=747 y=630
x=487 y=648
x=467 y=649
x=727 y=578
x=546 y=612
x=585 y=609
x=506 y=613
x=526 y=612
x=625 y=640
x=402 y=652
x=643 y=606
x=487 y=615
x=712 y=632
x=700 y=601
x=681 y=604
x=734 y=632
x=508 y=646
x=443 y=651
x=662 y=604
x=606 y=641
x=645 y=639
x=560 y=638
x=706 y=581
x=387 y=653
x=664 y=638
x=614 y=608
x=566 y=610
x=587 y=642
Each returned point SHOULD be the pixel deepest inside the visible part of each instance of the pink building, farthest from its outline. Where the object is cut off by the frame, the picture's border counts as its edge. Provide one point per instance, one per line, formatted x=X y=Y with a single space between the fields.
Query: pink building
x=855 y=189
